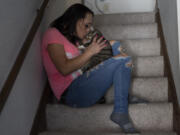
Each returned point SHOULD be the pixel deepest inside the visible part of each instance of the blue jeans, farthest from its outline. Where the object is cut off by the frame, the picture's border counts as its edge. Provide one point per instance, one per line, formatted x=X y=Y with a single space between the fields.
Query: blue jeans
x=90 y=87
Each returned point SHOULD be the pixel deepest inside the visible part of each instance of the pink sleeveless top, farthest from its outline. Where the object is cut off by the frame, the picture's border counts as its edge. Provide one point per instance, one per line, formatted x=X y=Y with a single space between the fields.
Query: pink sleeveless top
x=58 y=82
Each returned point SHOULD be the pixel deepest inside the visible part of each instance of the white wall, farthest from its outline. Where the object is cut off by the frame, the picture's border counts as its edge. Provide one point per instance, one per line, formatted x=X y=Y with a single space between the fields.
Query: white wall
x=178 y=12
x=121 y=6
x=19 y=111
x=16 y=20
x=169 y=17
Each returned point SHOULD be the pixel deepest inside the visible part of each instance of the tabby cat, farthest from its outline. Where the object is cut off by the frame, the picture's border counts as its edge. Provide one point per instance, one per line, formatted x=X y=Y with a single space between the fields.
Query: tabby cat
x=104 y=54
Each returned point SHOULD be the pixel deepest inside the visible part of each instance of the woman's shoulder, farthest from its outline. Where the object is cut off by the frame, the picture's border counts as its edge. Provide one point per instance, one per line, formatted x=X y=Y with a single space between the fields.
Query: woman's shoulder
x=53 y=31
x=51 y=36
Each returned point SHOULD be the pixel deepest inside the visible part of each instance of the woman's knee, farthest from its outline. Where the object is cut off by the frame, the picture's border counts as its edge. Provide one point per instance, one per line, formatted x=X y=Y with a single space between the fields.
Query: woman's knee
x=112 y=42
x=129 y=64
x=127 y=60
x=116 y=47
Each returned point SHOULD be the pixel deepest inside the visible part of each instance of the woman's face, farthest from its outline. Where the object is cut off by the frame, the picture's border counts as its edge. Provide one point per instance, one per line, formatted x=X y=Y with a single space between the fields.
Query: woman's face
x=84 y=25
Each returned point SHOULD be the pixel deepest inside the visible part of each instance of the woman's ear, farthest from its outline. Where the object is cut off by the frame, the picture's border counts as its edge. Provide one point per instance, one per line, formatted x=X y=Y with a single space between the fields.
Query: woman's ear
x=80 y=22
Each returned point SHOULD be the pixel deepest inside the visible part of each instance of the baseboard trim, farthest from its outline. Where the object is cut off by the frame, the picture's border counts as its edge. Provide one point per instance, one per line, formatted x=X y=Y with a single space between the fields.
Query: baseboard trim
x=172 y=95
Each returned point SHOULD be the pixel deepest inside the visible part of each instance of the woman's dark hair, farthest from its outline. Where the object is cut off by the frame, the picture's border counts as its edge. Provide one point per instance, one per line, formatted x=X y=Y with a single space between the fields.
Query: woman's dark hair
x=66 y=23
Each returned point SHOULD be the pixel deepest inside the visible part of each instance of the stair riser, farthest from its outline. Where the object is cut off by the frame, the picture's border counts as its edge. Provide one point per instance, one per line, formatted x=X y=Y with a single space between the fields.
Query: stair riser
x=124 y=19
x=117 y=32
x=148 y=66
x=151 y=89
x=155 y=117
x=143 y=47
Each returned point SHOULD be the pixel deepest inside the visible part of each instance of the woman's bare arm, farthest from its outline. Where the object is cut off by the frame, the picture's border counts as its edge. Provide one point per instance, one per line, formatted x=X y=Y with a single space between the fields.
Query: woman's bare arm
x=67 y=66
x=62 y=63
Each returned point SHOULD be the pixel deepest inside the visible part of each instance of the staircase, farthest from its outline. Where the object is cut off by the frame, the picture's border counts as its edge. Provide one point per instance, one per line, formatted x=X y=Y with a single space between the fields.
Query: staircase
x=138 y=32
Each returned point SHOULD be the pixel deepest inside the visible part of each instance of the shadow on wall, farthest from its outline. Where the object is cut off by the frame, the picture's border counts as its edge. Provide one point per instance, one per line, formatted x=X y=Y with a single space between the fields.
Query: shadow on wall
x=55 y=9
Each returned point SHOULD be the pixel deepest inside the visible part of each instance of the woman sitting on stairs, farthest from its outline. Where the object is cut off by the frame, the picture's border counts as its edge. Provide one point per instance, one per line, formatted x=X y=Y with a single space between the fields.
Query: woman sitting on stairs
x=63 y=62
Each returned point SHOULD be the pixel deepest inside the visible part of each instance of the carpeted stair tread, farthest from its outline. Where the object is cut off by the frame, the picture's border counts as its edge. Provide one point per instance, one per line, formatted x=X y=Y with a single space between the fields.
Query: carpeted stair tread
x=151 y=89
x=146 y=117
x=126 y=18
x=133 y=31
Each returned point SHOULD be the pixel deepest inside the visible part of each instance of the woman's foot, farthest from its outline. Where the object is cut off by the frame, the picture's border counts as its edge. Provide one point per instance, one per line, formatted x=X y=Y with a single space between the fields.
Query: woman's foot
x=123 y=120
x=136 y=100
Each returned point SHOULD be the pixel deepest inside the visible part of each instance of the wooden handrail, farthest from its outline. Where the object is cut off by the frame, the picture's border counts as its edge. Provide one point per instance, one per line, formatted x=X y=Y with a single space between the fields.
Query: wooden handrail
x=7 y=87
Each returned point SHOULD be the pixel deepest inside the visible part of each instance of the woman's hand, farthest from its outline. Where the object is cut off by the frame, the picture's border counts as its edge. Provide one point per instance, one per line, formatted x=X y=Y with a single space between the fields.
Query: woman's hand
x=96 y=46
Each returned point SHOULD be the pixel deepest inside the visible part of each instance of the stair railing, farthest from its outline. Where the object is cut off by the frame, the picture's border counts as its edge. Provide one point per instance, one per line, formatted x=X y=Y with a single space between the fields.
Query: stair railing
x=7 y=87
